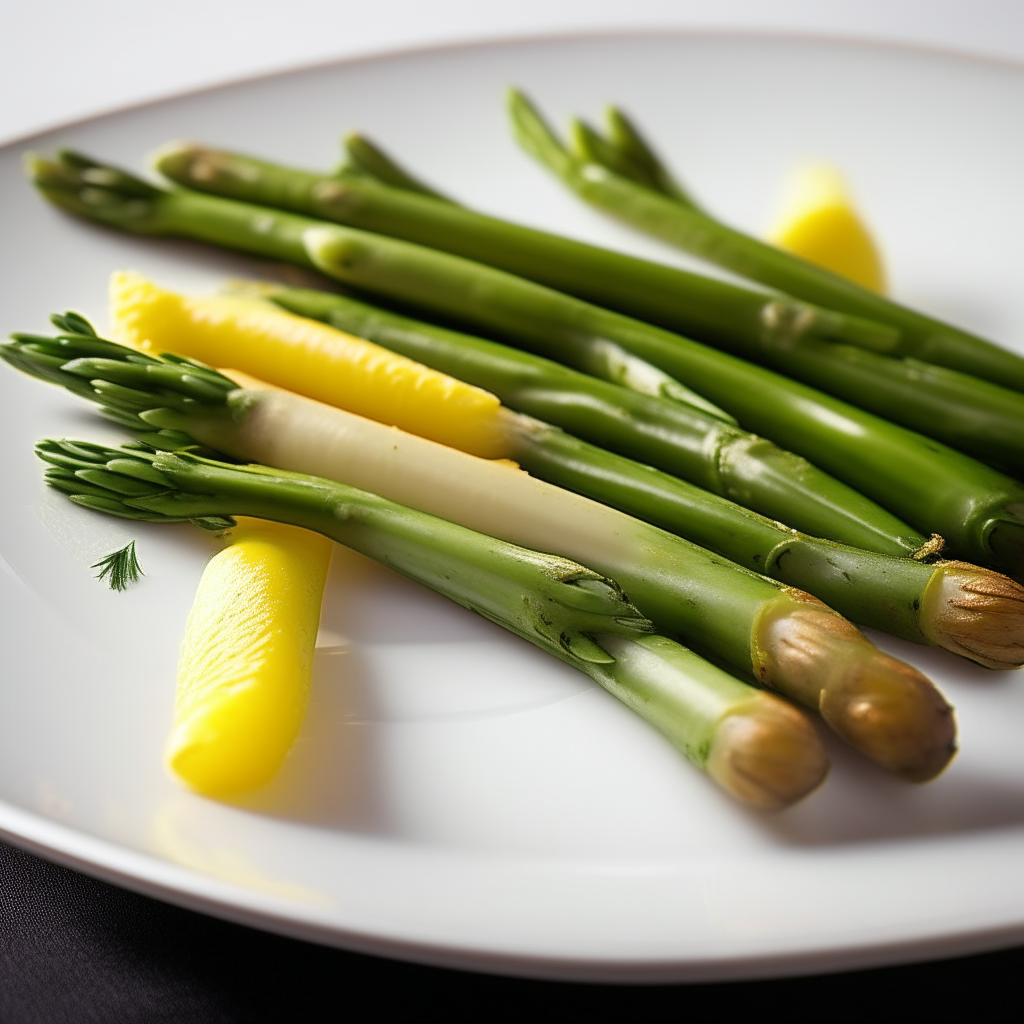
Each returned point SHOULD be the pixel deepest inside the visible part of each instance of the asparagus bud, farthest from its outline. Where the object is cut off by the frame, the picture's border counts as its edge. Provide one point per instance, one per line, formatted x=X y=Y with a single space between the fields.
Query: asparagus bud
x=365 y=158
x=885 y=708
x=975 y=613
x=82 y=186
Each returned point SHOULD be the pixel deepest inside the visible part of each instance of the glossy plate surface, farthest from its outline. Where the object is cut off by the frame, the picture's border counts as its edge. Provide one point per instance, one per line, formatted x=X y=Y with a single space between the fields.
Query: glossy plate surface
x=456 y=796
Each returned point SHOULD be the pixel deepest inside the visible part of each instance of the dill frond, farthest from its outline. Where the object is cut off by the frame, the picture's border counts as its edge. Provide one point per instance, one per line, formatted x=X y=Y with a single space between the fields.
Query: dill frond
x=120 y=568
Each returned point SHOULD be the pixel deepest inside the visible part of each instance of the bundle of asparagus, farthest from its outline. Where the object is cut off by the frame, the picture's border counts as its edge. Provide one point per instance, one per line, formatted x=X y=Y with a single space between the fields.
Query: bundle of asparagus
x=776 y=635
x=963 y=608
x=979 y=511
x=788 y=641
x=867 y=586
x=332 y=367
x=842 y=355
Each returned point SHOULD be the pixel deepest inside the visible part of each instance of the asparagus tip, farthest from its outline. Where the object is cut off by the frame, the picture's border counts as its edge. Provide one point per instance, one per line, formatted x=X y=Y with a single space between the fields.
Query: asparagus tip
x=767 y=755
x=976 y=613
x=185 y=161
x=83 y=186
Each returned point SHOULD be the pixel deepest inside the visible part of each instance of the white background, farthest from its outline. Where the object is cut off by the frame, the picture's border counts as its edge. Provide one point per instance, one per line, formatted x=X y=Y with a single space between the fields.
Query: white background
x=65 y=59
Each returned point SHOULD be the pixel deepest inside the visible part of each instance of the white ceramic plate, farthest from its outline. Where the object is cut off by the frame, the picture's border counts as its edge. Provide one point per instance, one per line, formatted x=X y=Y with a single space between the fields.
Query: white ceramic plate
x=456 y=796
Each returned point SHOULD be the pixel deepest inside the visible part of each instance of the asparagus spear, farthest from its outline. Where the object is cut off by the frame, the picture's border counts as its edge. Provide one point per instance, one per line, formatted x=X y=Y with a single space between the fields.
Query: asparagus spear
x=967 y=610
x=322 y=363
x=979 y=511
x=752 y=744
x=600 y=176
x=777 y=635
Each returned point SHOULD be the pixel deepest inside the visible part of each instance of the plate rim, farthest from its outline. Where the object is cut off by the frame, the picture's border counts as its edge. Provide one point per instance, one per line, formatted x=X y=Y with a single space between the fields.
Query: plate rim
x=521 y=38
x=192 y=890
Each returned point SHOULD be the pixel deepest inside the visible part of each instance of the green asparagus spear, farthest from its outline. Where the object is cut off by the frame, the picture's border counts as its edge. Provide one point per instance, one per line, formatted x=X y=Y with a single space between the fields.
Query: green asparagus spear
x=649 y=200
x=755 y=746
x=971 y=415
x=967 y=610
x=887 y=708
x=781 y=637
x=977 y=510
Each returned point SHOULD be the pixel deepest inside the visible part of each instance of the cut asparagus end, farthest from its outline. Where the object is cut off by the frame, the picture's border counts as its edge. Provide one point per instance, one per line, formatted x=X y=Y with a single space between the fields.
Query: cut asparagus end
x=883 y=707
x=894 y=714
x=759 y=749
x=175 y=155
x=976 y=613
x=767 y=755
x=96 y=191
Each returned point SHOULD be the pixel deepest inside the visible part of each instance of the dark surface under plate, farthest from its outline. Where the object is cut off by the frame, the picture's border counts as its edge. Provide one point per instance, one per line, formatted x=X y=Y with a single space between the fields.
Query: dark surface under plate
x=76 y=950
